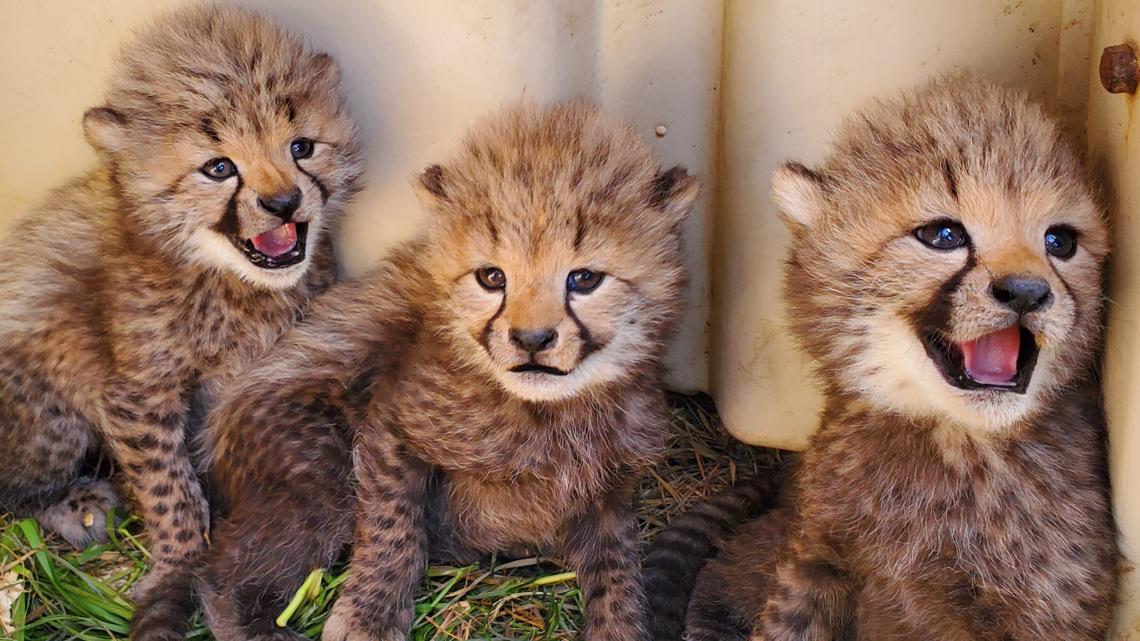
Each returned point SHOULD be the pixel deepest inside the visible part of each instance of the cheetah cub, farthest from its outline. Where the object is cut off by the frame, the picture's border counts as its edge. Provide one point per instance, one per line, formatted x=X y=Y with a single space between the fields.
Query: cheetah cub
x=493 y=387
x=945 y=274
x=129 y=297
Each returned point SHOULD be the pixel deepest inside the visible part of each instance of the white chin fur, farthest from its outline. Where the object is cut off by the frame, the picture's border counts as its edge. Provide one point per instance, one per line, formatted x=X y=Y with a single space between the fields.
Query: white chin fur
x=895 y=372
x=214 y=250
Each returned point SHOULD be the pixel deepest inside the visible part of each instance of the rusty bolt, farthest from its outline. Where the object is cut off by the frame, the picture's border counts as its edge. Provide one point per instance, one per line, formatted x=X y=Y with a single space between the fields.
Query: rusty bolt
x=1119 y=72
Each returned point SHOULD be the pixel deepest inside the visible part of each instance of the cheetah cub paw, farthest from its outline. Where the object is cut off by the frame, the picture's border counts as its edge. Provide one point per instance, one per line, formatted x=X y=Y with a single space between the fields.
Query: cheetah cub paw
x=80 y=517
x=344 y=625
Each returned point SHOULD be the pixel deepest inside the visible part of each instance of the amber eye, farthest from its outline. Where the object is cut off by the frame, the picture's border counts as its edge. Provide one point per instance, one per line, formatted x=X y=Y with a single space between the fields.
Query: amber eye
x=1061 y=241
x=942 y=234
x=491 y=278
x=583 y=281
x=219 y=168
x=301 y=148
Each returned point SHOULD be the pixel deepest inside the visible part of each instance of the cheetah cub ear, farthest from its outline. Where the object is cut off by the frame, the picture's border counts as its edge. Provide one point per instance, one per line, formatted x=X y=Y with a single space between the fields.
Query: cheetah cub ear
x=326 y=71
x=431 y=186
x=798 y=192
x=106 y=130
x=673 y=192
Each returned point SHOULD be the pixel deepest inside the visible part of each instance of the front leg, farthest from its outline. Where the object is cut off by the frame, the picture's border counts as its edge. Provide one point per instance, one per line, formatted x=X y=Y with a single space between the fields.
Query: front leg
x=390 y=543
x=812 y=599
x=601 y=546
x=144 y=424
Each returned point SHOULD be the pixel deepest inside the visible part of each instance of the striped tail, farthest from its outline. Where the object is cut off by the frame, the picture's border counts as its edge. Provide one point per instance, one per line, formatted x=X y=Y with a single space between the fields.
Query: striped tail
x=681 y=550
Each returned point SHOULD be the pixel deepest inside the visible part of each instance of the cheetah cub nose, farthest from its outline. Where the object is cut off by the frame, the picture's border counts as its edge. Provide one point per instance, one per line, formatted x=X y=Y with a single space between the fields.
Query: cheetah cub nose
x=534 y=340
x=1022 y=294
x=282 y=204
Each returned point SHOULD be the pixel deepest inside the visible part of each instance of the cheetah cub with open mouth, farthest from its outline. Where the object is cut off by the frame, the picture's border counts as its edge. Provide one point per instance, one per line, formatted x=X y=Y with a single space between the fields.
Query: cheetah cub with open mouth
x=134 y=293
x=945 y=274
x=493 y=387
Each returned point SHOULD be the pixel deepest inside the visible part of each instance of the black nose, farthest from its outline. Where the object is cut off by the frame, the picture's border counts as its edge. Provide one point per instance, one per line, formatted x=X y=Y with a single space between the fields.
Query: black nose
x=1022 y=294
x=534 y=340
x=282 y=204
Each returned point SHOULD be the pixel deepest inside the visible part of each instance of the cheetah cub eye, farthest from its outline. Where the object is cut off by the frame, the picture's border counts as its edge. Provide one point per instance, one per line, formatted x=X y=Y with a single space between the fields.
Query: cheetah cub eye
x=301 y=148
x=219 y=169
x=584 y=281
x=491 y=278
x=1061 y=241
x=944 y=234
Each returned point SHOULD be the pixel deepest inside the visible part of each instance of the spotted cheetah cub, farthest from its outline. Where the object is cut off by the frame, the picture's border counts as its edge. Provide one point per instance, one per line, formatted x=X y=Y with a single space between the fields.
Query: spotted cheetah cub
x=495 y=386
x=945 y=274
x=129 y=297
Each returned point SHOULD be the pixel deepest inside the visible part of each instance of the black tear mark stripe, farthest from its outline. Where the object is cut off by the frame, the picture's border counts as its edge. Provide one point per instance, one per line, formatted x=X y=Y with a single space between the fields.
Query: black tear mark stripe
x=485 y=335
x=589 y=345
x=936 y=315
x=229 y=224
x=1068 y=288
x=320 y=185
x=168 y=193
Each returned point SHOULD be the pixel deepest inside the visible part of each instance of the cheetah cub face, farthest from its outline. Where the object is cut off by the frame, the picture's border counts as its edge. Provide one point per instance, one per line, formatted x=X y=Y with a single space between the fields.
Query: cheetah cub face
x=235 y=151
x=560 y=269
x=949 y=257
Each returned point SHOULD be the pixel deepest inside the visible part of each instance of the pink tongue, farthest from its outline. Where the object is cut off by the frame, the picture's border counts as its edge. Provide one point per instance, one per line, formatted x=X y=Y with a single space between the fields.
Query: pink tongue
x=276 y=242
x=992 y=359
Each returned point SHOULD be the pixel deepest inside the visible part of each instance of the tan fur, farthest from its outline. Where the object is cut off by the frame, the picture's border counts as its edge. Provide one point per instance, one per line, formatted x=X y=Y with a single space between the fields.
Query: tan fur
x=455 y=454
x=124 y=304
x=922 y=510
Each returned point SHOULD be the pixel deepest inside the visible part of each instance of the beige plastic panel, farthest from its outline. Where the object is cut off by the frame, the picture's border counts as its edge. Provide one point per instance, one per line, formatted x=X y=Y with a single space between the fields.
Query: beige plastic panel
x=417 y=73
x=792 y=69
x=1114 y=138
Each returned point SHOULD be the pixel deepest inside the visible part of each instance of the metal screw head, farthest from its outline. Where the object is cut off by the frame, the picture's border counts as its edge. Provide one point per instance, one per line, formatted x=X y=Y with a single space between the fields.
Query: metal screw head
x=1119 y=72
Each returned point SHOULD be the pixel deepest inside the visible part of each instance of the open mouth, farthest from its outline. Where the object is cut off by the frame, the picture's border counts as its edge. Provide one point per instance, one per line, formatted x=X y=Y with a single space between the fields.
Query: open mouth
x=1001 y=360
x=539 y=369
x=281 y=247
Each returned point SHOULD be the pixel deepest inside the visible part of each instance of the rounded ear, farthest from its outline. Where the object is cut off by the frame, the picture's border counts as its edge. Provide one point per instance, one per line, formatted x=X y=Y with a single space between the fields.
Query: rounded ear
x=432 y=184
x=673 y=192
x=326 y=70
x=105 y=130
x=798 y=192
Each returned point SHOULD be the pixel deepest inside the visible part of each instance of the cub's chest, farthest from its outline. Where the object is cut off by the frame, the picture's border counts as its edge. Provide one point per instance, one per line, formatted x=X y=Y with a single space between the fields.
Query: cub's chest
x=513 y=471
x=1010 y=524
x=223 y=325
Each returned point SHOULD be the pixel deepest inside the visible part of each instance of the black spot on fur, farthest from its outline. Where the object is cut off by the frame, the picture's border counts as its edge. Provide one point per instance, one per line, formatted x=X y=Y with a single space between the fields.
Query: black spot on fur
x=209 y=129
x=580 y=231
x=951 y=181
x=491 y=228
